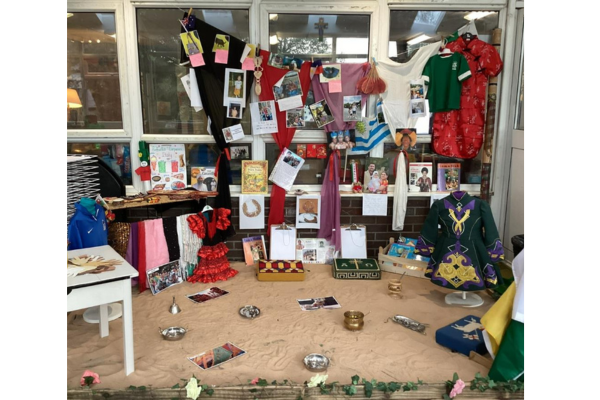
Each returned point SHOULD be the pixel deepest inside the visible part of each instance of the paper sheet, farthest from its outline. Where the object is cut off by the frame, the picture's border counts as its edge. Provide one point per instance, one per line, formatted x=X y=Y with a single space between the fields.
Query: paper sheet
x=221 y=56
x=374 y=204
x=286 y=169
x=335 y=86
x=354 y=242
x=251 y=205
x=263 y=117
x=187 y=82
x=283 y=243
x=289 y=103
x=197 y=60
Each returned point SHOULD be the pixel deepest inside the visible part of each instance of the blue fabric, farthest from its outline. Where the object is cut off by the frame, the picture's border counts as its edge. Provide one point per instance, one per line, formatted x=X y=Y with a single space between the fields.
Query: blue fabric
x=462 y=336
x=87 y=229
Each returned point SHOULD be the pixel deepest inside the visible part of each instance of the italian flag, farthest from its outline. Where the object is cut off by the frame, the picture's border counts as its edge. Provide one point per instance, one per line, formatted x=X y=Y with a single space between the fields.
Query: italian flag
x=504 y=326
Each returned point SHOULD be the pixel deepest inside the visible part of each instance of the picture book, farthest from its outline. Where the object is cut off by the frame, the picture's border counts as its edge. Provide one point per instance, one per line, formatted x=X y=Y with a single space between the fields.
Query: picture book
x=254 y=177
x=419 y=176
x=448 y=177
x=254 y=249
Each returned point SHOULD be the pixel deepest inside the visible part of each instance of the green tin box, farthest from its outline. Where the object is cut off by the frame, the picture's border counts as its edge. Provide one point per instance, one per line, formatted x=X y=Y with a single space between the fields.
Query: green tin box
x=356 y=268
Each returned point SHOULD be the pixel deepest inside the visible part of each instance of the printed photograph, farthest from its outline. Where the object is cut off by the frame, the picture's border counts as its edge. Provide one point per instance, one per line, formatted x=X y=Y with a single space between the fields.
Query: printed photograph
x=221 y=43
x=295 y=118
x=266 y=113
x=217 y=356
x=236 y=82
x=417 y=108
x=341 y=140
x=352 y=108
x=234 y=110
x=406 y=139
x=321 y=113
x=208 y=294
x=331 y=72
x=163 y=277
x=416 y=91
x=307 y=211
x=376 y=176
x=292 y=159
x=309 y=255
x=289 y=87
x=318 y=302
x=240 y=152
x=191 y=43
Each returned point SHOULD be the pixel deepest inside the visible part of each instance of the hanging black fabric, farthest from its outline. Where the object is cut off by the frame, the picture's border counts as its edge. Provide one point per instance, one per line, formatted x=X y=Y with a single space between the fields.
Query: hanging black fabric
x=211 y=83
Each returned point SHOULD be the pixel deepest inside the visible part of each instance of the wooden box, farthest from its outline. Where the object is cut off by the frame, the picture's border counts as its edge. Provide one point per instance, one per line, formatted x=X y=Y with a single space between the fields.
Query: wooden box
x=400 y=265
x=356 y=268
x=280 y=271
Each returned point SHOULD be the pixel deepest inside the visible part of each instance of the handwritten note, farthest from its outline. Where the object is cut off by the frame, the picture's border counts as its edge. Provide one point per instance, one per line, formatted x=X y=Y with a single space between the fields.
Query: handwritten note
x=335 y=86
x=375 y=204
x=197 y=60
x=221 y=56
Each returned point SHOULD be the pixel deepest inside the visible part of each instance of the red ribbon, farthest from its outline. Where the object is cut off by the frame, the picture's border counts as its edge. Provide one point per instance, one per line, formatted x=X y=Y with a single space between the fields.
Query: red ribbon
x=337 y=152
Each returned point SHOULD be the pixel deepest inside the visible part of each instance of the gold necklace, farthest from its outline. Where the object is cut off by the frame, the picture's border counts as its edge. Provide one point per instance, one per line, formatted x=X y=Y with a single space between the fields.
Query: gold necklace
x=254 y=213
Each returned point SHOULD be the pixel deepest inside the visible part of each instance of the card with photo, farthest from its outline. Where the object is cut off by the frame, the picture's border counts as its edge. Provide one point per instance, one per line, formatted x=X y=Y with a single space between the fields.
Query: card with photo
x=288 y=91
x=191 y=43
x=352 y=108
x=233 y=133
x=308 y=212
x=206 y=295
x=221 y=43
x=295 y=118
x=263 y=120
x=321 y=113
x=406 y=138
x=318 y=302
x=331 y=72
x=239 y=152
x=235 y=87
x=164 y=276
x=234 y=109
x=217 y=356
x=286 y=169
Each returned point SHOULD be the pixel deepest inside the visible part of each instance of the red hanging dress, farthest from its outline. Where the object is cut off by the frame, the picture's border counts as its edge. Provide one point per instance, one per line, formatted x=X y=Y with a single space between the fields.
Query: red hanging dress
x=213 y=264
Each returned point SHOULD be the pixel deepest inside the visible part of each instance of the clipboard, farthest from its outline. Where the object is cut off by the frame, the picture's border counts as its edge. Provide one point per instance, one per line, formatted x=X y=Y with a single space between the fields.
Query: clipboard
x=283 y=242
x=354 y=241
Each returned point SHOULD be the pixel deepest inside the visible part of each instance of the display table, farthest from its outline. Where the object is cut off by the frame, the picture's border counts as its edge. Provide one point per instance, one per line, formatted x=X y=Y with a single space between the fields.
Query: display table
x=89 y=290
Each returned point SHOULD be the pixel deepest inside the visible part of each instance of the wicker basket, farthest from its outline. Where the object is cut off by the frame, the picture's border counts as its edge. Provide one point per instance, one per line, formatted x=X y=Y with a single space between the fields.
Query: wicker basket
x=118 y=237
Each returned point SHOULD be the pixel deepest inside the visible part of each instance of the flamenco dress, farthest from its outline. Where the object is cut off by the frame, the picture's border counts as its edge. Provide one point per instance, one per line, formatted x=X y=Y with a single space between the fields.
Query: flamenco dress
x=213 y=264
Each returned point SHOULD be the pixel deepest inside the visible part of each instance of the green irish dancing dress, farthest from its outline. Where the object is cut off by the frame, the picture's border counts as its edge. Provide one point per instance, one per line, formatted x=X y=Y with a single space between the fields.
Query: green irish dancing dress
x=465 y=254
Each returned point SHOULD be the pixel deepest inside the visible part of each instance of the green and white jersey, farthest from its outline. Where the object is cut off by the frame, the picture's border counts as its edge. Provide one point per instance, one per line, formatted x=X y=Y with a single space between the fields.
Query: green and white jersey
x=443 y=75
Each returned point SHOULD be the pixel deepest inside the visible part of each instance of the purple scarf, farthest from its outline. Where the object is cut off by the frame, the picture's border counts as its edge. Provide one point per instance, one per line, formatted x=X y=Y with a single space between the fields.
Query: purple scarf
x=331 y=203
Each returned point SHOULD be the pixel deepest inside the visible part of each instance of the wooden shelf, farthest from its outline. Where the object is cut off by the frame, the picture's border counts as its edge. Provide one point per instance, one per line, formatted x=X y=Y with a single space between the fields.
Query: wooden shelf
x=158 y=197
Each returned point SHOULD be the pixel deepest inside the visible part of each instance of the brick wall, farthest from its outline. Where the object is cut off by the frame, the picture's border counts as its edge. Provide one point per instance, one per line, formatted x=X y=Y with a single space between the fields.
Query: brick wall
x=379 y=229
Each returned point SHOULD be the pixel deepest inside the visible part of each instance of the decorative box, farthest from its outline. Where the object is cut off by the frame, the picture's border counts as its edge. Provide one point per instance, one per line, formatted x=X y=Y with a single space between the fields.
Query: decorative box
x=280 y=270
x=462 y=336
x=356 y=268
x=400 y=265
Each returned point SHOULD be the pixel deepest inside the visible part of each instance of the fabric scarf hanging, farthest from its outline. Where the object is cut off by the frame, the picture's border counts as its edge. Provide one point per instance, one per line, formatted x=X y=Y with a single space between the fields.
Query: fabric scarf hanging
x=331 y=203
x=211 y=83
x=283 y=137
x=351 y=73
x=400 y=192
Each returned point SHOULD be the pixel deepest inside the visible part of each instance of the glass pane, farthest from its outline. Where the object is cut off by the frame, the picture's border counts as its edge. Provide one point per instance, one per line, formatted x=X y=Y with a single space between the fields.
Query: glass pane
x=331 y=38
x=116 y=155
x=470 y=170
x=93 y=91
x=520 y=123
x=206 y=155
x=424 y=27
x=165 y=104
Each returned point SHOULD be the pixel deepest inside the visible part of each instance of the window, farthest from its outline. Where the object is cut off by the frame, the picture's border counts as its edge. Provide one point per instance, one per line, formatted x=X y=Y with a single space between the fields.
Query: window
x=116 y=155
x=165 y=105
x=93 y=91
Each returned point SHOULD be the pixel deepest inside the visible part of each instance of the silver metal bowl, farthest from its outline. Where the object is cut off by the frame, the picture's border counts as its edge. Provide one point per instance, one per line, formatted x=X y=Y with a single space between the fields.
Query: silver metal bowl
x=250 y=312
x=316 y=362
x=173 y=333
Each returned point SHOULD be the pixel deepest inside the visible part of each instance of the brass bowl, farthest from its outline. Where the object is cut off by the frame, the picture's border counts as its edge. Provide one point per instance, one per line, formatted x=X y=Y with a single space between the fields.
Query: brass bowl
x=353 y=320
x=316 y=362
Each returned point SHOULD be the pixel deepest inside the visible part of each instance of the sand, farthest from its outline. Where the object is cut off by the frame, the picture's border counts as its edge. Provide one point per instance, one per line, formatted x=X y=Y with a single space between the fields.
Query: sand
x=277 y=341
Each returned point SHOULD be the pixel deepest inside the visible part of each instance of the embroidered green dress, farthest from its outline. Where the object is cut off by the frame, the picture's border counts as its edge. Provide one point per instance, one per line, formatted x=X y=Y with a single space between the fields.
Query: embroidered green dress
x=464 y=255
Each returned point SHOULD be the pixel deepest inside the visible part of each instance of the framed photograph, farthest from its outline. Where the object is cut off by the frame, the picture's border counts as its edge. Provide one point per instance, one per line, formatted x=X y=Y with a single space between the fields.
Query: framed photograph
x=308 y=212
x=217 y=356
x=352 y=108
x=164 y=276
x=240 y=152
x=234 y=109
x=206 y=295
x=321 y=113
x=294 y=118
x=235 y=87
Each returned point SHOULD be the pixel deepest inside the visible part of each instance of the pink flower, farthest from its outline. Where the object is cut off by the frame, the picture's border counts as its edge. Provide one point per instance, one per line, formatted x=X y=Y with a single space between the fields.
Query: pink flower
x=457 y=389
x=254 y=381
x=90 y=374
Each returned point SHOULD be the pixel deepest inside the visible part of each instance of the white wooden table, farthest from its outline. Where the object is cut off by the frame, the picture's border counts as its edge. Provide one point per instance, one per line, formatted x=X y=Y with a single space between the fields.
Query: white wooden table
x=91 y=290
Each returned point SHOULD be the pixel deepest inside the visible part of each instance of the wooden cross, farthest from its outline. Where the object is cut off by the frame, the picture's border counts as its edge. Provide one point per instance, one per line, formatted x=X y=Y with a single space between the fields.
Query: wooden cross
x=321 y=26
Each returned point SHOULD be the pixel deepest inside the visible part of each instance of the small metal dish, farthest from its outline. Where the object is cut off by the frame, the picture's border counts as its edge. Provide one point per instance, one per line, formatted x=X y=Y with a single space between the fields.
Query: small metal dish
x=250 y=312
x=172 y=333
x=316 y=362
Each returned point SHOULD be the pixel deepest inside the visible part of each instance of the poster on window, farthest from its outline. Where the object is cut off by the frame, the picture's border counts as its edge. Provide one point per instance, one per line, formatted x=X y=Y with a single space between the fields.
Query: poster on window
x=168 y=166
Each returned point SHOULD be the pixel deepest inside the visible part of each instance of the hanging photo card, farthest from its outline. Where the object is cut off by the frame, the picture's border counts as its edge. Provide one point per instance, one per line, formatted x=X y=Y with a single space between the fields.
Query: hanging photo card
x=234 y=88
x=233 y=133
x=253 y=212
x=308 y=212
x=331 y=72
x=286 y=169
x=354 y=241
x=167 y=166
x=321 y=113
x=193 y=48
x=374 y=204
x=163 y=277
x=283 y=239
x=417 y=89
x=263 y=120
x=352 y=108
x=295 y=118
x=417 y=108
x=288 y=92
x=234 y=109
x=221 y=49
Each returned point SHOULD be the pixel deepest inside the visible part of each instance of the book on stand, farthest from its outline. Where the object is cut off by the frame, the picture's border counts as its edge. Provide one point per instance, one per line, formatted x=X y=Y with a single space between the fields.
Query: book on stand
x=419 y=177
x=448 y=177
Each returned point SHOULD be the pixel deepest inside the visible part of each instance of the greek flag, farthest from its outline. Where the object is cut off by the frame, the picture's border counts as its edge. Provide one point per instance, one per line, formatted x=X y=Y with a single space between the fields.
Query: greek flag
x=377 y=132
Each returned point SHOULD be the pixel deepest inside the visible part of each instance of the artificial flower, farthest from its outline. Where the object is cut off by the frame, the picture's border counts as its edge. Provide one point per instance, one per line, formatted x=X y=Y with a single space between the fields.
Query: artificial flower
x=317 y=380
x=255 y=381
x=89 y=374
x=193 y=390
x=457 y=389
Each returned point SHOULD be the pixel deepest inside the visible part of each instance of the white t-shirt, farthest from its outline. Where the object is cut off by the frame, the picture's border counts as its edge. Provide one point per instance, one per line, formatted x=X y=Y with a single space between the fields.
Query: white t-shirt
x=396 y=100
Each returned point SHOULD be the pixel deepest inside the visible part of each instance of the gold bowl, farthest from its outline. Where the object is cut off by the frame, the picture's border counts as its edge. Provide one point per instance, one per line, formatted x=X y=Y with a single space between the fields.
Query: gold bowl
x=353 y=320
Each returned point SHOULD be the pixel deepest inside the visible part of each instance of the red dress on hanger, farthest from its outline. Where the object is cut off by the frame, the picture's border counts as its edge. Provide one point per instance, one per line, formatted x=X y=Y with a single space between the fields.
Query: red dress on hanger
x=213 y=264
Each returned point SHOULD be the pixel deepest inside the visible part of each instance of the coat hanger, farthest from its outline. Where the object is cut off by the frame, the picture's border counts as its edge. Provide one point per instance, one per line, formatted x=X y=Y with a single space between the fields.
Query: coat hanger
x=206 y=208
x=444 y=51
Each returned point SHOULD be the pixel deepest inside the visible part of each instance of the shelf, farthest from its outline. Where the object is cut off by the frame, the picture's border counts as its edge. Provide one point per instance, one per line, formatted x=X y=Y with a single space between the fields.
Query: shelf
x=155 y=198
